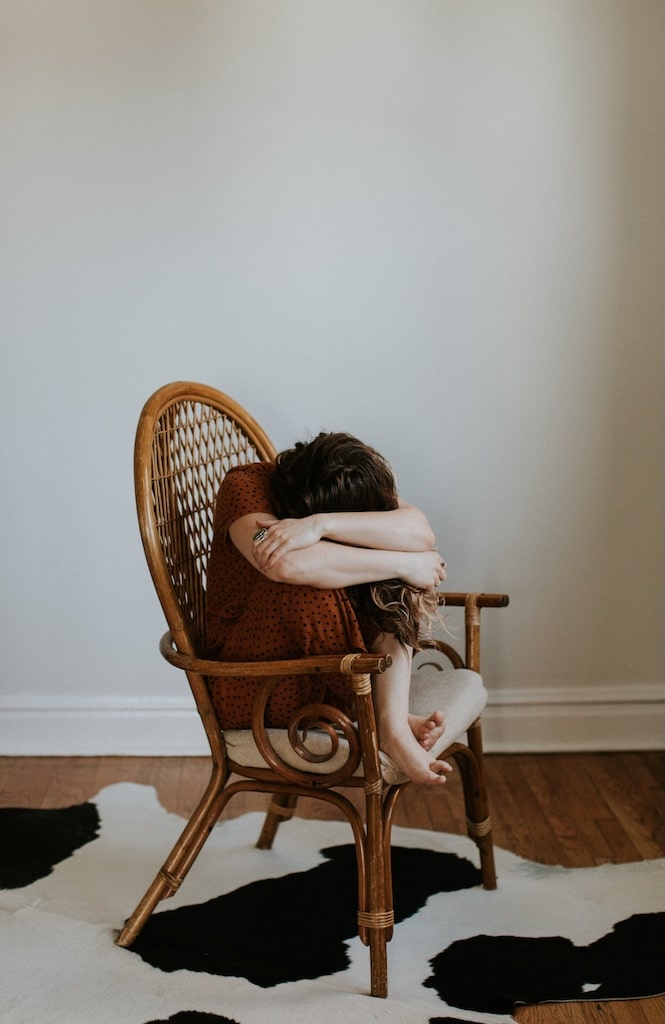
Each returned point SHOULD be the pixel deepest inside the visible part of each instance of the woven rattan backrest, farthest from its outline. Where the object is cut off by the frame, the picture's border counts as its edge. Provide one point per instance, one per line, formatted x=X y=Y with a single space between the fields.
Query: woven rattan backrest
x=188 y=437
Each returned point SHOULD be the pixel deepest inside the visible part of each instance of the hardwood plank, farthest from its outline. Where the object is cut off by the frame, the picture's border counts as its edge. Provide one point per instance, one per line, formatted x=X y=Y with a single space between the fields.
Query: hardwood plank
x=524 y=823
x=629 y=1011
x=573 y=821
x=653 y=763
x=632 y=804
x=623 y=849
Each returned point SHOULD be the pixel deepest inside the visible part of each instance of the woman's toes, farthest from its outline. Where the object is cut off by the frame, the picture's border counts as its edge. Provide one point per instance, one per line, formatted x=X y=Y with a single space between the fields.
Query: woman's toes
x=440 y=769
x=431 y=729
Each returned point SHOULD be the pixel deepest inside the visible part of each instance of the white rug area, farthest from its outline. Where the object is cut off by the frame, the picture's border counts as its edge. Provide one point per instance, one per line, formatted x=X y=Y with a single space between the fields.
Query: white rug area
x=60 y=964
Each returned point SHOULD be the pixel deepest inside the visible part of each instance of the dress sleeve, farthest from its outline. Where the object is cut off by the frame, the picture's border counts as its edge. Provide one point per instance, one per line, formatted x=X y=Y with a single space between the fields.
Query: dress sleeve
x=244 y=489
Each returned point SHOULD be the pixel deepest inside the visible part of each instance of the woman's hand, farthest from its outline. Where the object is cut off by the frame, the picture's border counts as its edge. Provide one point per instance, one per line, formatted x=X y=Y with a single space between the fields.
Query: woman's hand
x=276 y=537
x=423 y=569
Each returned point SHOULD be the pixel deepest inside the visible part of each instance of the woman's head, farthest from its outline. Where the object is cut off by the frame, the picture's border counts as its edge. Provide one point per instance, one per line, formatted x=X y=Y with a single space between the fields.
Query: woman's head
x=338 y=473
x=332 y=473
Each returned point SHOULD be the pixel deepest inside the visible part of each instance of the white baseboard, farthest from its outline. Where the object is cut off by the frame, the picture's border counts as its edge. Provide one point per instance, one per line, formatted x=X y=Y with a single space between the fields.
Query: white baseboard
x=586 y=718
x=123 y=726
x=515 y=721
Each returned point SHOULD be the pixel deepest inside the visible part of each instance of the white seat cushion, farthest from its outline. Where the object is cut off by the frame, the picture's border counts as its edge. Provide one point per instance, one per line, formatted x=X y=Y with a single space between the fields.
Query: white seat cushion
x=459 y=693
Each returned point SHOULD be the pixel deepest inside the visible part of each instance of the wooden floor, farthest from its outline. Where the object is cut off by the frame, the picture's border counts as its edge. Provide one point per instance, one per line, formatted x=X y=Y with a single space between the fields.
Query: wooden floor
x=576 y=810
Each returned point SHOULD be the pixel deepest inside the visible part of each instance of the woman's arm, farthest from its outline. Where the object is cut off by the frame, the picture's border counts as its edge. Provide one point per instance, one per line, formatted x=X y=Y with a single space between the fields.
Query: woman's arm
x=402 y=529
x=292 y=551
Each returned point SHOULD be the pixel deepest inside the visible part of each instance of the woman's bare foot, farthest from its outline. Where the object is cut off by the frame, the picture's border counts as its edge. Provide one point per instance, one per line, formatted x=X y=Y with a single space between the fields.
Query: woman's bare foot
x=427 y=730
x=412 y=758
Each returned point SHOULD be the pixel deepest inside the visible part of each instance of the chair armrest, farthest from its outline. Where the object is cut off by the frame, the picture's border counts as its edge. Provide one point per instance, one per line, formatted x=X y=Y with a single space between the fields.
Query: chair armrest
x=472 y=603
x=474 y=600
x=349 y=664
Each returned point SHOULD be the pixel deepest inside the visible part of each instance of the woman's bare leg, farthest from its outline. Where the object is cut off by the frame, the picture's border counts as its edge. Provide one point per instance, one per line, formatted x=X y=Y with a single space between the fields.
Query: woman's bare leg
x=405 y=738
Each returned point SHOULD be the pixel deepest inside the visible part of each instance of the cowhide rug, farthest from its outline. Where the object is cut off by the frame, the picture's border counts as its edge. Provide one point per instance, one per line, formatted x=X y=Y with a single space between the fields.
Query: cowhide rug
x=268 y=937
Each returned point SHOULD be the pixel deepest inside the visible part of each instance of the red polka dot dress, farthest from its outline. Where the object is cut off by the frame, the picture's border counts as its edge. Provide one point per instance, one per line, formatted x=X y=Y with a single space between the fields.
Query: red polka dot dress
x=252 y=618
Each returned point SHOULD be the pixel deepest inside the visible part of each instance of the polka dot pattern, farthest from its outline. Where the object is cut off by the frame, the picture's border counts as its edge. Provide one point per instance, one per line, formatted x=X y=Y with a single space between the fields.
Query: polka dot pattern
x=252 y=618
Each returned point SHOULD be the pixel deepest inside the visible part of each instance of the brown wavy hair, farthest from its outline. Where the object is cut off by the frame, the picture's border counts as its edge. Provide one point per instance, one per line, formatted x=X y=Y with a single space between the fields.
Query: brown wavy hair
x=338 y=473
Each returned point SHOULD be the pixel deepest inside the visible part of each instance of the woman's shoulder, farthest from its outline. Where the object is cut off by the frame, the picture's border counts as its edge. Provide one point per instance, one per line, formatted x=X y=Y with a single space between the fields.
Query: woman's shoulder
x=245 y=488
x=252 y=468
x=248 y=474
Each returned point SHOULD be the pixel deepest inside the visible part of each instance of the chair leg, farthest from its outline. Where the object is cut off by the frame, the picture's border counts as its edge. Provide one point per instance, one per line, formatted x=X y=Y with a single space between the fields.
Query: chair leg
x=476 y=800
x=282 y=807
x=182 y=856
x=376 y=918
x=391 y=798
x=378 y=963
x=483 y=840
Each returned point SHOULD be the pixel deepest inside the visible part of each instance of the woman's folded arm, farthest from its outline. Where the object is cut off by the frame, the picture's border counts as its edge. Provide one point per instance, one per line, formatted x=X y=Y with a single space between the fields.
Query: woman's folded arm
x=329 y=563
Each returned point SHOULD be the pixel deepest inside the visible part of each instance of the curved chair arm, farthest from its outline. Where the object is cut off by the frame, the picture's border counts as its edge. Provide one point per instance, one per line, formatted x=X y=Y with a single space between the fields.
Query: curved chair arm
x=472 y=603
x=474 y=600
x=348 y=664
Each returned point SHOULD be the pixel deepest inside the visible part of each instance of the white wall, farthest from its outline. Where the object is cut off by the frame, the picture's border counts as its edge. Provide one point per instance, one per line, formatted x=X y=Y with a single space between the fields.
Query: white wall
x=437 y=225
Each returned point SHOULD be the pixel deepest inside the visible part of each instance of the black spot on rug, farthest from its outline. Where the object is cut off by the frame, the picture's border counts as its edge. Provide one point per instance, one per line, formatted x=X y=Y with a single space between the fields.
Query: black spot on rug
x=261 y=931
x=516 y=970
x=33 y=841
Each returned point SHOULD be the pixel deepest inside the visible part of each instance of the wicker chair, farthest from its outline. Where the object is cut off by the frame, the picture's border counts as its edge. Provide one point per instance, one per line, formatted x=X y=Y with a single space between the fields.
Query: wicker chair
x=188 y=436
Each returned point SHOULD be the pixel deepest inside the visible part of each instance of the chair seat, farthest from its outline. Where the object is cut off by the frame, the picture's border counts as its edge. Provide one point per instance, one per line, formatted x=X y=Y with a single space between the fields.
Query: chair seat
x=459 y=693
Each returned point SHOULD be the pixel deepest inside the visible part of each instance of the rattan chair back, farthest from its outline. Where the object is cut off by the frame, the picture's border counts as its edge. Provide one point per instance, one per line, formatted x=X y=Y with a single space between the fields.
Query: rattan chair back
x=188 y=437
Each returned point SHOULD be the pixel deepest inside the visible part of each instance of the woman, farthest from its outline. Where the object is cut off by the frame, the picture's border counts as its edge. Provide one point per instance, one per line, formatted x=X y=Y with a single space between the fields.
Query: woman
x=316 y=554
